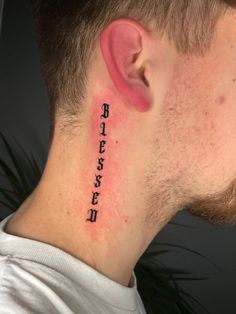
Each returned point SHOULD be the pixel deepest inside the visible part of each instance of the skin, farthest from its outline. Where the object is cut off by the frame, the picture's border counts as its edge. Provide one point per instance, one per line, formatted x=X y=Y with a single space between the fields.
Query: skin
x=170 y=145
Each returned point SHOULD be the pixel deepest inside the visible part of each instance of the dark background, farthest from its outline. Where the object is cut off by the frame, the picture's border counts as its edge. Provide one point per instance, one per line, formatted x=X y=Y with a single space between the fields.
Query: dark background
x=24 y=115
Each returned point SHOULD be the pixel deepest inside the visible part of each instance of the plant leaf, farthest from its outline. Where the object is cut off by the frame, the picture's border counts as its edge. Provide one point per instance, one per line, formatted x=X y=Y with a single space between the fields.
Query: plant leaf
x=10 y=199
x=180 y=225
x=186 y=249
x=7 y=205
x=31 y=161
x=16 y=164
x=155 y=254
x=9 y=174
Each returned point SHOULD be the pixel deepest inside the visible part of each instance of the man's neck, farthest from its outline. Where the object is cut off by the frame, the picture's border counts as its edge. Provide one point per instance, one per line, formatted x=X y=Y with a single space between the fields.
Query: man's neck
x=96 y=211
x=112 y=248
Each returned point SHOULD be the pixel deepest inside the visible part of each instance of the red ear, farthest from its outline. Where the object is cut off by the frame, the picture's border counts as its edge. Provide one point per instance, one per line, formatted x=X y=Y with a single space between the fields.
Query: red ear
x=121 y=45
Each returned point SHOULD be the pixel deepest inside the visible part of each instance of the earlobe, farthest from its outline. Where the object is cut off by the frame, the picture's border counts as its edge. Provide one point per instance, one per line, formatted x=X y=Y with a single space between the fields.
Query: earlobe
x=121 y=44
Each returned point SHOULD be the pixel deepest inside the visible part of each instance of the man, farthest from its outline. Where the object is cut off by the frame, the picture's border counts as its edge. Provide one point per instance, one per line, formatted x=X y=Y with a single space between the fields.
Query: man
x=143 y=124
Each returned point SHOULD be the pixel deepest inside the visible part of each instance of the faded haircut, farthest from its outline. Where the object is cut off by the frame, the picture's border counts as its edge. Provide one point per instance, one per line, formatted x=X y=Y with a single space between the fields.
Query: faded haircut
x=67 y=32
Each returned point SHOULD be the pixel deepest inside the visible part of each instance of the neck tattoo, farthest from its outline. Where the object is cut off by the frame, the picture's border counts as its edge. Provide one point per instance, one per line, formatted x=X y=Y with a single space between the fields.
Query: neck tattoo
x=98 y=176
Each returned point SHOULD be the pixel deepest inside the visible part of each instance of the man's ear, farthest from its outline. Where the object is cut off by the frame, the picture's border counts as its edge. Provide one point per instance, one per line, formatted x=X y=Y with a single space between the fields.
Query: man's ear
x=122 y=45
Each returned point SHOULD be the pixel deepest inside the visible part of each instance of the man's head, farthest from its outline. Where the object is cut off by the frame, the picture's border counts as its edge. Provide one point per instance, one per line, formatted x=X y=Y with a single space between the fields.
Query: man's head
x=172 y=66
x=67 y=33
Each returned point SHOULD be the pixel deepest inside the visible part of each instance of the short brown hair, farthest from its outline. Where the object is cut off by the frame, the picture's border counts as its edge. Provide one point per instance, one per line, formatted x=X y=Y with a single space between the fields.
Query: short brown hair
x=67 y=32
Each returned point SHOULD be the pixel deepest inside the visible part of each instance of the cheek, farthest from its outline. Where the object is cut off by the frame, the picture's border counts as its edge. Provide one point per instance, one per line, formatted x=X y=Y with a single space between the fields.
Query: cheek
x=199 y=135
x=226 y=134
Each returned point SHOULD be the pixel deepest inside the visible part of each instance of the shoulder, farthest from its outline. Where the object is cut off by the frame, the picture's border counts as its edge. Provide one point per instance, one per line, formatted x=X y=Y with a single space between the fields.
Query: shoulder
x=24 y=289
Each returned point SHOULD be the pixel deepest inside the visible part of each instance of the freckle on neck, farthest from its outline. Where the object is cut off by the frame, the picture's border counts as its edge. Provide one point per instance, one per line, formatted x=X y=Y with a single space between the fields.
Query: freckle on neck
x=222 y=99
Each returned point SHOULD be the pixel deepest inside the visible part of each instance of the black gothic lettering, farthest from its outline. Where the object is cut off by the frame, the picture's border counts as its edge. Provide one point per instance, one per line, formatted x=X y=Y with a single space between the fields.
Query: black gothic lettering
x=102 y=147
x=100 y=164
x=105 y=108
x=95 y=198
x=93 y=215
x=97 y=184
x=103 y=126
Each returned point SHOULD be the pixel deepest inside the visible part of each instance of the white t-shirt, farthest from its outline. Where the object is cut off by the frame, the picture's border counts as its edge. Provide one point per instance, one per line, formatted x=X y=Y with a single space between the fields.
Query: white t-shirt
x=38 y=278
